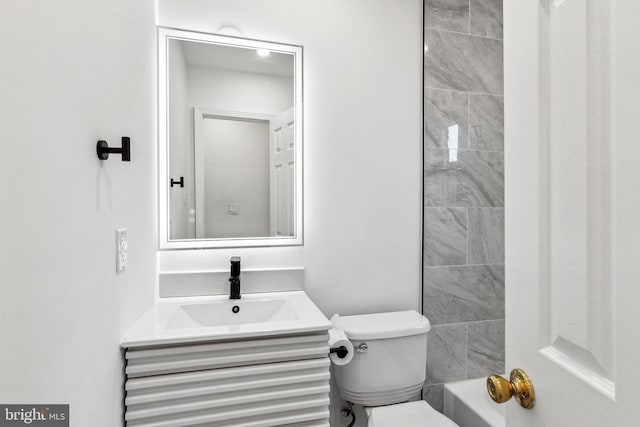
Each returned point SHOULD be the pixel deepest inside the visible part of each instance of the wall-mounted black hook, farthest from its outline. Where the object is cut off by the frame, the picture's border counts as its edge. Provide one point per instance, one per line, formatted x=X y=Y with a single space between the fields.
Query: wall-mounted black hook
x=103 y=149
x=181 y=182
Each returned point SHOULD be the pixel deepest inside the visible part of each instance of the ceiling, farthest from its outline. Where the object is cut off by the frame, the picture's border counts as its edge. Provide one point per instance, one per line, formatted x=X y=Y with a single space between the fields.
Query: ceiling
x=236 y=58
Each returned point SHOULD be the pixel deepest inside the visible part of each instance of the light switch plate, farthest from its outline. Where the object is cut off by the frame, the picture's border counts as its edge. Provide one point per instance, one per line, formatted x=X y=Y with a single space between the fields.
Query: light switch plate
x=121 y=250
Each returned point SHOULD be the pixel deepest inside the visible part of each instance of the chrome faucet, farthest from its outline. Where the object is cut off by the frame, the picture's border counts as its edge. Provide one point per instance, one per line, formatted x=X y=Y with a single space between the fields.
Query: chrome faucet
x=234 y=278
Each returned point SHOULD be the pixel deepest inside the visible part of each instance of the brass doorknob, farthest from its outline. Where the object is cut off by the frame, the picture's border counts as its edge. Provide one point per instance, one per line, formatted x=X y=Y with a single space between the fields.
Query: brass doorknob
x=500 y=389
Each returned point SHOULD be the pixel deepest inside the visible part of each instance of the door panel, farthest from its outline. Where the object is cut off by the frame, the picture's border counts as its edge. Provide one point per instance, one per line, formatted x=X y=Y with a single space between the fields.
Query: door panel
x=570 y=96
x=575 y=175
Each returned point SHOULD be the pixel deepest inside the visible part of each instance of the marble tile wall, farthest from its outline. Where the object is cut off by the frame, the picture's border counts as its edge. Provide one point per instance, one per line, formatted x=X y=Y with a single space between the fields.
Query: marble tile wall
x=463 y=271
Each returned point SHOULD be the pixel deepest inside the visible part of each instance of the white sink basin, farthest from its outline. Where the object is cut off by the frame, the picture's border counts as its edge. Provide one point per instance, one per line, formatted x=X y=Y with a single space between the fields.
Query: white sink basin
x=221 y=313
x=194 y=319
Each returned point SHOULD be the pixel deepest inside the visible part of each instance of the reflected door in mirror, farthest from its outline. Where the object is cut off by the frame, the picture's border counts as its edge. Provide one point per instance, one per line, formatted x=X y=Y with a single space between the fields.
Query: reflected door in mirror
x=282 y=173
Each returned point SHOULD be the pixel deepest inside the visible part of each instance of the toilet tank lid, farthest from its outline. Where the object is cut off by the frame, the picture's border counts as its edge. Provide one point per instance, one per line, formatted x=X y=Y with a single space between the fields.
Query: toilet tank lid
x=382 y=325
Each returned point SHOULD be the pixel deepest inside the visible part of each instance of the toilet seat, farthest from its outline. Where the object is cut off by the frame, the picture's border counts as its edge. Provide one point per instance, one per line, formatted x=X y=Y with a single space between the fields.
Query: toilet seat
x=410 y=414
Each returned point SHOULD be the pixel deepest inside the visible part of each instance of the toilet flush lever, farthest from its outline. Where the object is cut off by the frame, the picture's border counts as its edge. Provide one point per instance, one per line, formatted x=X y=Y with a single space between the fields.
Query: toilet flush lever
x=362 y=348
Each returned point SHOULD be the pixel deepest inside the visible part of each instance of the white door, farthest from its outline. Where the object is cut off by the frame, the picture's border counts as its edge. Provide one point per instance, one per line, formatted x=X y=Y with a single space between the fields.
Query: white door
x=572 y=99
x=282 y=173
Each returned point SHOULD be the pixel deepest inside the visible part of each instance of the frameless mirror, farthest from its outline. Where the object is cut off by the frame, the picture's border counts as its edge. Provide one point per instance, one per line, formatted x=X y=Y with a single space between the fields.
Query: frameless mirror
x=230 y=141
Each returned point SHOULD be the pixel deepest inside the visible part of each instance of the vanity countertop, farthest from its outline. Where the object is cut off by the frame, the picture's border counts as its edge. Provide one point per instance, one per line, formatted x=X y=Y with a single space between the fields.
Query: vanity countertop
x=211 y=318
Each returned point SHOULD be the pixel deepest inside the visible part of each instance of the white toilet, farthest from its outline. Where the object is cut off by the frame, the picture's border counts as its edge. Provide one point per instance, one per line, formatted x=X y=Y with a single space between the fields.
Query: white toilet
x=388 y=369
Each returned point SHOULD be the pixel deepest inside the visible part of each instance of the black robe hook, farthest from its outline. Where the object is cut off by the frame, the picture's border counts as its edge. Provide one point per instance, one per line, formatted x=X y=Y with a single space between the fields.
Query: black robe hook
x=103 y=149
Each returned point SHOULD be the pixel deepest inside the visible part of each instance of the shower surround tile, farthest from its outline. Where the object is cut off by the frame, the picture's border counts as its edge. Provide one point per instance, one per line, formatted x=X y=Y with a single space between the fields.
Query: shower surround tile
x=486 y=18
x=464 y=63
x=462 y=178
x=445 y=236
x=486 y=235
x=463 y=293
x=449 y=15
x=463 y=172
x=446 y=353
x=434 y=395
x=486 y=122
x=485 y=351
x=446 y=122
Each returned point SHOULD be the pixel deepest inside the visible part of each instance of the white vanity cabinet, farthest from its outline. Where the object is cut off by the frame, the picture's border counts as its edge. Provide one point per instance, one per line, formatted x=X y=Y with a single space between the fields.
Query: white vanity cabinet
x=267 y=381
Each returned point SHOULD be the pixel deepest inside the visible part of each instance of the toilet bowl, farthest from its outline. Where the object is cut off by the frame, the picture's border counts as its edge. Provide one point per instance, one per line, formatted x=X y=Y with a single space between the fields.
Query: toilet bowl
x=388 y=369
x=410 y=414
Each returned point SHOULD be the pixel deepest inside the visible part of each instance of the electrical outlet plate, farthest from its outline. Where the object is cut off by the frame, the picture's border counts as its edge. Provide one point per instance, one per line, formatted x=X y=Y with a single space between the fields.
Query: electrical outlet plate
x=233 y=208
x=121 y=250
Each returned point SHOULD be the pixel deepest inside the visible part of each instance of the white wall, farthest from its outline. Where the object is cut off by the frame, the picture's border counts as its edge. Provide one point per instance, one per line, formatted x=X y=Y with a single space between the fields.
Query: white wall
x=83 y=70
x=181 y=152
x=73 y=72
x=239 y=91
x=362 y=145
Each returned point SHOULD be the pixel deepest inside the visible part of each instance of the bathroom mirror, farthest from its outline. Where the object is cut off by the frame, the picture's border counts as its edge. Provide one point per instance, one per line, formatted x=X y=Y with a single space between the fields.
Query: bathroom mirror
x=230 y=141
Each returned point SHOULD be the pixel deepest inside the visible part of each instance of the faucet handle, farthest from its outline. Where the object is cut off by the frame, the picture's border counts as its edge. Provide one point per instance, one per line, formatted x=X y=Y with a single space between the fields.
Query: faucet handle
x=235 y=266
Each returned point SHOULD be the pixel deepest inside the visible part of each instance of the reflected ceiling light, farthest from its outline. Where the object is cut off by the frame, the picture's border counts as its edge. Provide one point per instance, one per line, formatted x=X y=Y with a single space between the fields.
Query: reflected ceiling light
x=263 y=52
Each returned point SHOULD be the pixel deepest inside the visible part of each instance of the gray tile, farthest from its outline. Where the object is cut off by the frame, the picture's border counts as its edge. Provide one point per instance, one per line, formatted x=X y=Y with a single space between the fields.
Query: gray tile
x=450 y=15
x=486 y=18
x=486 y=236
x=445 y=236
x=446 y=353
x=433 y=394
x=463 y=293
x=462 y=178
x=462 y=62
x=446 y=121
x=486 y=349
x=486 y=122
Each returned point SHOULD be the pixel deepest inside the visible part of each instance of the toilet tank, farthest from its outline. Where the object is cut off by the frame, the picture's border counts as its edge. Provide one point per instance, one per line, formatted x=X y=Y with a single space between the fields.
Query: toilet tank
x=393 y=366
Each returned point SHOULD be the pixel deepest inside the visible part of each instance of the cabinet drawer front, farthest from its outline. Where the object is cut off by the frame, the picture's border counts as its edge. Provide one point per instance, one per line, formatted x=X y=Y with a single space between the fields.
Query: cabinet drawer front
x=287 y=393
x=196 y=357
